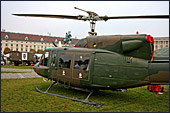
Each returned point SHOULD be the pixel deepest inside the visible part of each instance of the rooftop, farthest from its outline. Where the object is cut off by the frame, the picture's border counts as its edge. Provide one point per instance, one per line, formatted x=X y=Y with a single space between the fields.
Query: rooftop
x=32 y=37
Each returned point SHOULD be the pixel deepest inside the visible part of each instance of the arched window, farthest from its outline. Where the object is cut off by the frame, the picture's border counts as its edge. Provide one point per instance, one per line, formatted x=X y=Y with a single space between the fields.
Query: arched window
x=6 y=37
x=26 y=38
x=56 y=41
x=41 y=39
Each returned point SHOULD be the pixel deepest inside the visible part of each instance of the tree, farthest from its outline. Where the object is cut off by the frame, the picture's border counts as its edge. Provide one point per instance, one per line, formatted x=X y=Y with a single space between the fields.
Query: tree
x=6 y=50
x=33 y=51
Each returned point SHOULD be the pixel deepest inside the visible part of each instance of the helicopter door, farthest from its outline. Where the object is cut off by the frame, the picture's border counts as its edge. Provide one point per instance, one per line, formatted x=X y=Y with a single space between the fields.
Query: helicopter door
x=52 y=64
x=106 y=69
x=80 y=68
x=64 y=67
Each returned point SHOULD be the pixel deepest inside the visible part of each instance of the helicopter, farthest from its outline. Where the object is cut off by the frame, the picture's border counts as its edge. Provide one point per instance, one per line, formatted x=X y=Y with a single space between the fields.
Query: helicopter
x=110 y=62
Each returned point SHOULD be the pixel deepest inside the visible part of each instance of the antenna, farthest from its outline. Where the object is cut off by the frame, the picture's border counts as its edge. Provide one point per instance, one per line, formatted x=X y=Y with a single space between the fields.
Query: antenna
x=54 y=43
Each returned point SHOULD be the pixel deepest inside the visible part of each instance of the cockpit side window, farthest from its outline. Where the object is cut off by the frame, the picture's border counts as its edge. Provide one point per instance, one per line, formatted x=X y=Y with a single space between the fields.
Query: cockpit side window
x=65 y=61
x=82 y=43
x=44 y=58
x=53 y=58
x=81 y=63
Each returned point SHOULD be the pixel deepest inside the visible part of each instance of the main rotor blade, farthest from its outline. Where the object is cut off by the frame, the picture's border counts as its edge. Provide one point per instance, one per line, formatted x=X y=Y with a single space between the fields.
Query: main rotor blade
x=137 y=17
x=48 y=16
x=80 y=17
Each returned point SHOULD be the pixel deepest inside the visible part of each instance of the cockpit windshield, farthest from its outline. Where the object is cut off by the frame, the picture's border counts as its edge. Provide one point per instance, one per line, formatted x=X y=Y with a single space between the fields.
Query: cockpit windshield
x=45 y=58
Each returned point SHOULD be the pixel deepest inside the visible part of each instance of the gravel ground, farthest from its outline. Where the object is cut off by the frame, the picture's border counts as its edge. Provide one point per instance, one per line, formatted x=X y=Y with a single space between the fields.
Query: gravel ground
x=16 y=70
x=29 y=73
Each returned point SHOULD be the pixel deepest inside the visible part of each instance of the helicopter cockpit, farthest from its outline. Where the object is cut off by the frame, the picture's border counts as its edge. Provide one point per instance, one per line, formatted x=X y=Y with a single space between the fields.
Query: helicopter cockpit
x=44 y=58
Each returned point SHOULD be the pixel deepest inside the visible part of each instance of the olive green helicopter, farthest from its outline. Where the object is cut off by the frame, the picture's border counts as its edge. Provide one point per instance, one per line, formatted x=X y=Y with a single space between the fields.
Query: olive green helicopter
x=109 y=62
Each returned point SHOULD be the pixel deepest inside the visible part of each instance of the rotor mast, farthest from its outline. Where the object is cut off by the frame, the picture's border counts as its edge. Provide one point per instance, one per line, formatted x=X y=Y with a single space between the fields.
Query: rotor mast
x=92 y=19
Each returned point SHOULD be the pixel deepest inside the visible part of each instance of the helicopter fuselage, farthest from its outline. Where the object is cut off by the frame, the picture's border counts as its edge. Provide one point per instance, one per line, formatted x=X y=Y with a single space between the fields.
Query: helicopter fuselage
x=139 y=46
x=98 y=69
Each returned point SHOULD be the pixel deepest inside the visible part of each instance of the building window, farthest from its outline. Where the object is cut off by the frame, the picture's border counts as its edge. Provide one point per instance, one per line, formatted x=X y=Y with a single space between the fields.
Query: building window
x=17 y=45
x=6 y=44
x=166 y=42
x=156 y=47
x=6 y=37
x=166 y=45
x=11 y=44
x=156 y=42
x=26 y=38
x=21 y=45
x=21 y=49
x=56 y=41
x=17 y=49
x=41 y=39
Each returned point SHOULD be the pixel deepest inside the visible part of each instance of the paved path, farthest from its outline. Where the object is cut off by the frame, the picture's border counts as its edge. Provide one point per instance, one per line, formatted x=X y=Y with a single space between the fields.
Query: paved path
x=29 y=73
x=16 y=70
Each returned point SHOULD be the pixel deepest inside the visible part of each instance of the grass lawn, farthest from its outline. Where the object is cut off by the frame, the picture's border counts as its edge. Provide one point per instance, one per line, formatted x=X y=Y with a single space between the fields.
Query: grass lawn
x=17 y=67
x=19 y=95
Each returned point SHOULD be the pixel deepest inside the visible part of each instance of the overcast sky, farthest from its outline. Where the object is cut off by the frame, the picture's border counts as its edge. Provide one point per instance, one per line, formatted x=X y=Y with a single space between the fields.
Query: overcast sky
x=80 y=29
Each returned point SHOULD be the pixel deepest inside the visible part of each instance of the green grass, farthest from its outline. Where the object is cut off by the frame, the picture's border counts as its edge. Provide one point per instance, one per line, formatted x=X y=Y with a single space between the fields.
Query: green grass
x=17 y=67
x=19 y=95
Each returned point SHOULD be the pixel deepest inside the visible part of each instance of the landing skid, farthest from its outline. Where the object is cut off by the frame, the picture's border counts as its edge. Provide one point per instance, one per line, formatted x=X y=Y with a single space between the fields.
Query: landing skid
x=120 y=90
x=97 y=105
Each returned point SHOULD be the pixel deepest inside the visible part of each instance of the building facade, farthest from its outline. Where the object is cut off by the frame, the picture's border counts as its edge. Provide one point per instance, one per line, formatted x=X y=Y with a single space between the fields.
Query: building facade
x=161 y=42
x=24 y=42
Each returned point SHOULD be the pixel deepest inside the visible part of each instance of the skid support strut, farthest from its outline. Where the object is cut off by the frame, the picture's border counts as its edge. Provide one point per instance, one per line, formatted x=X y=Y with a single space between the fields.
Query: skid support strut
x=86 y=100
x=50 y=87
x=97 y=105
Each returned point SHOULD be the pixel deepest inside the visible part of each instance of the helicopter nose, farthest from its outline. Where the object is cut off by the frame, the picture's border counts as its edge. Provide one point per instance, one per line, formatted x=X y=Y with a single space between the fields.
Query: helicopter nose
x=35 y=66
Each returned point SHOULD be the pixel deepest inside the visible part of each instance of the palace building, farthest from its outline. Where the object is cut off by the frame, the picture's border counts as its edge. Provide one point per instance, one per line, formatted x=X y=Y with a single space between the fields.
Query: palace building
x=161 y=42
x=25 y=42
